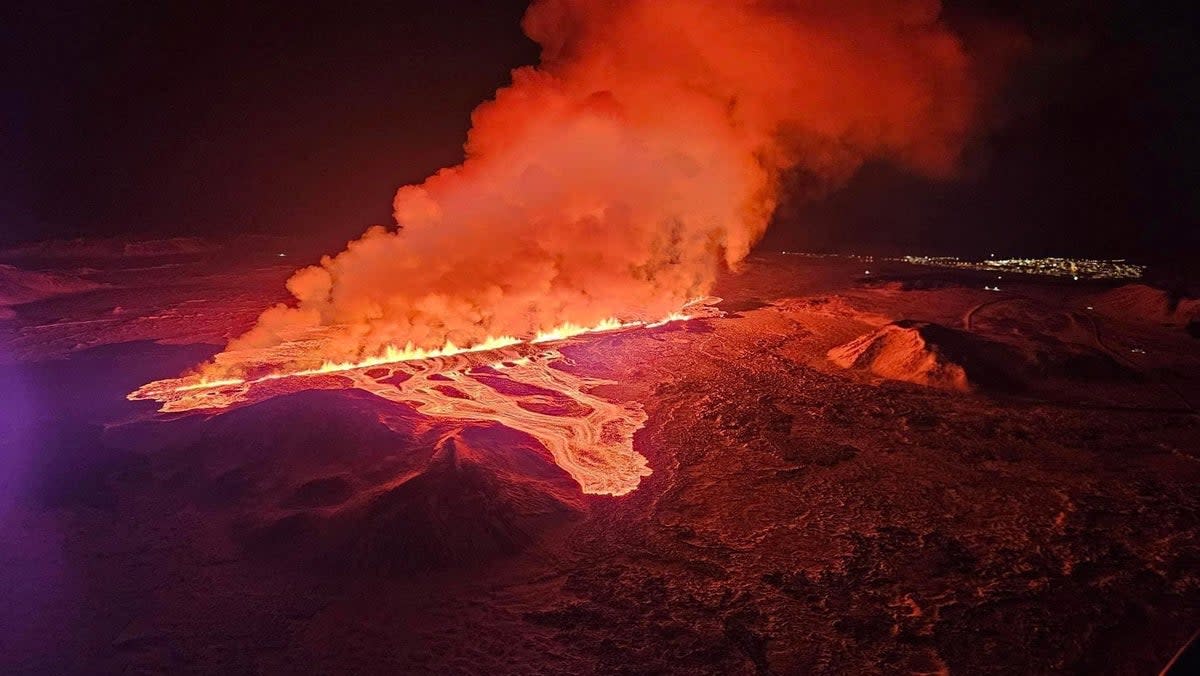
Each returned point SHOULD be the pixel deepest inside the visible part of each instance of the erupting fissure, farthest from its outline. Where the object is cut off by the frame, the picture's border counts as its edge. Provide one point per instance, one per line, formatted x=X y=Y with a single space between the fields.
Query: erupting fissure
x=641 y=157
x=497 y=381
x=390 y=355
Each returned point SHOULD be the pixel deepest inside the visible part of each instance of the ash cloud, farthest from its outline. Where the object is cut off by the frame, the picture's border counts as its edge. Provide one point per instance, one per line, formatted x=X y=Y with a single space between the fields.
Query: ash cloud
x=641 y=156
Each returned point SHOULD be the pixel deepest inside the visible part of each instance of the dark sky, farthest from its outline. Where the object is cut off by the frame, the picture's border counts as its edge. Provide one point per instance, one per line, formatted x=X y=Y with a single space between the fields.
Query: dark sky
x=154 y=119
x=1093 y=151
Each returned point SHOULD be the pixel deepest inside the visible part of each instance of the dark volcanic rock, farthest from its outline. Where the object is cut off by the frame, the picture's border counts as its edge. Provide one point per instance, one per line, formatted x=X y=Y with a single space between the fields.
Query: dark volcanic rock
x=797 y=521
x=354 y=481
x=470 y=504
x=322 y=492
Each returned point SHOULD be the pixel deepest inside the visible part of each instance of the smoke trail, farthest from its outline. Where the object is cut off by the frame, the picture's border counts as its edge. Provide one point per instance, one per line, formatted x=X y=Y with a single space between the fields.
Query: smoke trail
x=618 y=176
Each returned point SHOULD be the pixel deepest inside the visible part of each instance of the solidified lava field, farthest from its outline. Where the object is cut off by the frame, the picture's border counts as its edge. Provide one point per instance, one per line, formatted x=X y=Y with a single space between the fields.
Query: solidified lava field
x=894 y=473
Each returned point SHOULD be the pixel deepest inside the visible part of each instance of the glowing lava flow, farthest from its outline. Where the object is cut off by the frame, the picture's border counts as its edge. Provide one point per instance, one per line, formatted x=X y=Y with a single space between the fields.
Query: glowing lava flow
x=504 y=380
x=588 y=437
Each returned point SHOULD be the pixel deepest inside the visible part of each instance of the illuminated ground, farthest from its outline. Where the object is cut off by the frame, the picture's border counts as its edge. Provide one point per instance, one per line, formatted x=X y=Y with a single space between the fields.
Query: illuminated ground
x=799 y=518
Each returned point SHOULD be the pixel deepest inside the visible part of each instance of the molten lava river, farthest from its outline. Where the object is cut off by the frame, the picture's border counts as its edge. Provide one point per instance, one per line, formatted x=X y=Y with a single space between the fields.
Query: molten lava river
x=519 y=384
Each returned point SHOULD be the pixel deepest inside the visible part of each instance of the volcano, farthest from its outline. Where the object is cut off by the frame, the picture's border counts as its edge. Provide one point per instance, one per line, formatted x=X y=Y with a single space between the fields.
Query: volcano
x=599 y=336
x=995 y=479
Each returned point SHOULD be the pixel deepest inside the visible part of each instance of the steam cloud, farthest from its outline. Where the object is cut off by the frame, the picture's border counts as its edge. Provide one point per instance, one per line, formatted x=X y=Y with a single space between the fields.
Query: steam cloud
x=643 y=154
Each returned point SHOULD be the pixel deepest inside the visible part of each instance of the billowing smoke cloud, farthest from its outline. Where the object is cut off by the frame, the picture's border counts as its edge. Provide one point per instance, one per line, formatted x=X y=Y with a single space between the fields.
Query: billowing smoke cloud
x=643 y=154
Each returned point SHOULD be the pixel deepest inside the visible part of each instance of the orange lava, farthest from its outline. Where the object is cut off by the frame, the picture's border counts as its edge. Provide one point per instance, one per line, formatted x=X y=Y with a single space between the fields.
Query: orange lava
x=588 y=437
x=507 y=381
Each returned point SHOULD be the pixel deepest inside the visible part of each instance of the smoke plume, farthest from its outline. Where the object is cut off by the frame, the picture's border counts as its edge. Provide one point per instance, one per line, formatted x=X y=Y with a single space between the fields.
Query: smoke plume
x=641 y=156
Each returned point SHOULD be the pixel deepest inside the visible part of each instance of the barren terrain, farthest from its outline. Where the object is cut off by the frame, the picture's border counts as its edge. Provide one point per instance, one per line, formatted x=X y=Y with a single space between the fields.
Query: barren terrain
x=898 y=472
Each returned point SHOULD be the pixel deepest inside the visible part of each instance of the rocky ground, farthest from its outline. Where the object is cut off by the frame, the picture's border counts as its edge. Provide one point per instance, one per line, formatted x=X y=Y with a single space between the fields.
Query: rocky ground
x=805 y=514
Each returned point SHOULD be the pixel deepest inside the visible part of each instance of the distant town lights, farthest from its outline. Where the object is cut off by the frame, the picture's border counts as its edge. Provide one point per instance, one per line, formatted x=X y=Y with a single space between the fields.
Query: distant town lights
x=1075 y=268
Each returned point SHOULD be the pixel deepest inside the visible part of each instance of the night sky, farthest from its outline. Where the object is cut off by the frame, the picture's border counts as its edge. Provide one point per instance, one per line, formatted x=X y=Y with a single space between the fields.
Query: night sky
x=160 y=119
